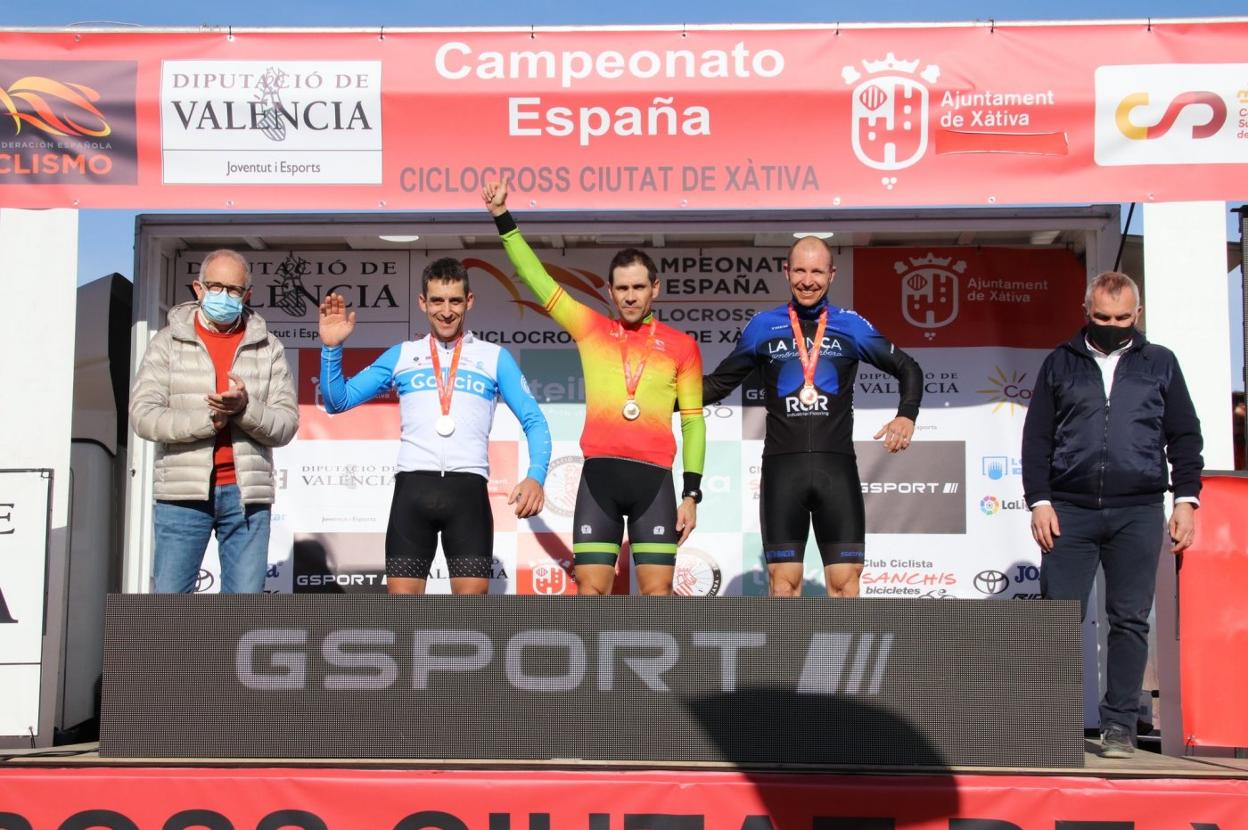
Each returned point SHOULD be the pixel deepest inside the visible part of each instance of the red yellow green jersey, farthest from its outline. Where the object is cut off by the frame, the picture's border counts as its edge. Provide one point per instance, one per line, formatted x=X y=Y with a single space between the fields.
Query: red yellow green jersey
x=673 y=373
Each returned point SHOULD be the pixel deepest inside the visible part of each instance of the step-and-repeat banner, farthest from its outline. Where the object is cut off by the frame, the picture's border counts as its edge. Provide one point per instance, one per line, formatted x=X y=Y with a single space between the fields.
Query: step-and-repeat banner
x=945 y=518
x=659 y=118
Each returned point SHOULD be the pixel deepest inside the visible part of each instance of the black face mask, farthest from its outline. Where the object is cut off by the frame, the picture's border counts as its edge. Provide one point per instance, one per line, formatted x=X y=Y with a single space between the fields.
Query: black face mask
x=1110 y=338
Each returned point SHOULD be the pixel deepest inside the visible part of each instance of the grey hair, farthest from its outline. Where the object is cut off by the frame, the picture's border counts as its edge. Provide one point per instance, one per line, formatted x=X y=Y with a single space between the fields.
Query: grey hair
x=1112 y=283
x=225 y=253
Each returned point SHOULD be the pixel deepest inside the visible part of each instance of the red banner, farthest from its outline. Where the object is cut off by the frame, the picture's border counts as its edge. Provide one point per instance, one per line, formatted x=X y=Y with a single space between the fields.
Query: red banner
x=657 y=119
x=240 y=799
x=1213 y=580
x=970 y=296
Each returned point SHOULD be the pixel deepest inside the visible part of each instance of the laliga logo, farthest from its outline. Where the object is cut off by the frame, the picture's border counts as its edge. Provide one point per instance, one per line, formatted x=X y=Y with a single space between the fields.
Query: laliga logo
x=1217 y=115
x=890 y=113
x=929 y=291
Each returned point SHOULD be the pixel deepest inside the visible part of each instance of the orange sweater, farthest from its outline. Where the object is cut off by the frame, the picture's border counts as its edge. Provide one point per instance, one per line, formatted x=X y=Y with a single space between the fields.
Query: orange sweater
x=222 y=346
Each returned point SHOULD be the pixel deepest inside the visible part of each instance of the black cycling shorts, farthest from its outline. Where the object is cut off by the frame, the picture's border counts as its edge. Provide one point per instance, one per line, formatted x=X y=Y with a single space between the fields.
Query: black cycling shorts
x=427 y=503
x=612 y=489
x=823 y=487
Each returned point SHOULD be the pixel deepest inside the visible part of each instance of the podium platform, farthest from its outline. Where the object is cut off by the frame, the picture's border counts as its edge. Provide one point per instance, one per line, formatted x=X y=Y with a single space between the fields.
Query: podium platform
x=751 y=682
x=464 y=713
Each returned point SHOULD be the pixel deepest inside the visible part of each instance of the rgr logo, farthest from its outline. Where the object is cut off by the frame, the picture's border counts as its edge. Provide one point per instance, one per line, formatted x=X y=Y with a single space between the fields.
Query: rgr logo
x=1168 y=114
x=793 y=406
x=369 y=659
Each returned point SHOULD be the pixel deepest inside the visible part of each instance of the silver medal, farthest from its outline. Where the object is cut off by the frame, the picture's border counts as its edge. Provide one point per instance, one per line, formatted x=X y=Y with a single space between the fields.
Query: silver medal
x=631 y=410
x=445 y=425
x=808 y=395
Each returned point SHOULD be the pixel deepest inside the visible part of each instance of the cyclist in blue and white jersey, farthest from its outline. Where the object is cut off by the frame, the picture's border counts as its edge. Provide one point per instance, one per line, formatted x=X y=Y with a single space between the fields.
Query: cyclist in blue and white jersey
x=448 y=383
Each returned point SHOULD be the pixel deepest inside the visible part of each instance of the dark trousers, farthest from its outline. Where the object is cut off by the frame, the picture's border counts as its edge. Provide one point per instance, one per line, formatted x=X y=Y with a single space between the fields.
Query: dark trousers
x=1126 y=541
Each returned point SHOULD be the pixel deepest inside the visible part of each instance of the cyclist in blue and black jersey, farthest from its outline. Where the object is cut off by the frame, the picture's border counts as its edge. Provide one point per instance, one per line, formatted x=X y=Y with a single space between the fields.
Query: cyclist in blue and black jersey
x=448 y=384
x=808 y=352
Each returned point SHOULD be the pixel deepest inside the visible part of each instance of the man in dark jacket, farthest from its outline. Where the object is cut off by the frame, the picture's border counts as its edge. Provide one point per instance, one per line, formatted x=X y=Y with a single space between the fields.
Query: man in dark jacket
x=1108 y=410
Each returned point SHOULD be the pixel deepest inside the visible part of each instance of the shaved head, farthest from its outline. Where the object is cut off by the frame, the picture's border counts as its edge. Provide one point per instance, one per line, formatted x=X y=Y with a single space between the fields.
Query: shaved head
x=813 y=244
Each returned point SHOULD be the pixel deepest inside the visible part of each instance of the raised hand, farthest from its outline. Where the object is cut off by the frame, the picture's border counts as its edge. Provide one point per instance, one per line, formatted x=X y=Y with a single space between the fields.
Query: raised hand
x=494 y=194
x=336 y=323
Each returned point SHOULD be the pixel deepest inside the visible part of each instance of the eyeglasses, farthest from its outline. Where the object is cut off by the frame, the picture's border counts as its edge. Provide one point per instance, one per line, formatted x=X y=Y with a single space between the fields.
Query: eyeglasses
x=234 y=291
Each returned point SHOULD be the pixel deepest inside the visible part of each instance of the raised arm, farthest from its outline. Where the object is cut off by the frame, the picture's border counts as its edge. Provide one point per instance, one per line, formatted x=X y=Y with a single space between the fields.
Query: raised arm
x=575 y=317
x=335 y=325
x=341 y=394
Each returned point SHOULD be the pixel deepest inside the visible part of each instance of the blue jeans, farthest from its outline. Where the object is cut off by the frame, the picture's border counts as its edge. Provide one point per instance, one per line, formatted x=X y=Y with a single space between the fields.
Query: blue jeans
x=1126 y=541
x=182 y=532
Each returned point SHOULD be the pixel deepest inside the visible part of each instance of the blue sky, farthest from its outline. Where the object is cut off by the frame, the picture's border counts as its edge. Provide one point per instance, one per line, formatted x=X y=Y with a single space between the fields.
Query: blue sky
x=106 y=238
x=479 y=13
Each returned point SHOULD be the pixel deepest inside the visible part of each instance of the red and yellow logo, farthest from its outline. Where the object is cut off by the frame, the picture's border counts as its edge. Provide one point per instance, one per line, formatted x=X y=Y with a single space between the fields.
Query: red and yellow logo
x=61 y=109
x=1135 y=132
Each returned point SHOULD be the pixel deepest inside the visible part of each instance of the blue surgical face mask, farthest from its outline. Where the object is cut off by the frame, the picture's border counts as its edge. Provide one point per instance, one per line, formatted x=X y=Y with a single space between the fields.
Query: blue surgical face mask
x=221 y=308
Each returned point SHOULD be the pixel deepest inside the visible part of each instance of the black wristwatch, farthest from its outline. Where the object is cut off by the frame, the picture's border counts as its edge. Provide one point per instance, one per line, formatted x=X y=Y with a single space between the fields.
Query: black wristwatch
x=696 y=495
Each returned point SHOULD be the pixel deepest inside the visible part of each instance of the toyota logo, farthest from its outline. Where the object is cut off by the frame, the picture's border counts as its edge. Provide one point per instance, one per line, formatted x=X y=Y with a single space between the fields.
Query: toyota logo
x=204 y=581
x=991 y=582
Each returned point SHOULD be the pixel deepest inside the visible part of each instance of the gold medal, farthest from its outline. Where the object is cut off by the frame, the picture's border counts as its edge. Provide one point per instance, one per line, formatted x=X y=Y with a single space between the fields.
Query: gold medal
x=632 y=375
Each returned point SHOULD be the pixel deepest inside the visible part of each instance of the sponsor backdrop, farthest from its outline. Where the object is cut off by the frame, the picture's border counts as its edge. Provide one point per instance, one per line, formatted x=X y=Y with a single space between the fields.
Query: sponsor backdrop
x=975 y=114
x=945 y=518
x=866 y=682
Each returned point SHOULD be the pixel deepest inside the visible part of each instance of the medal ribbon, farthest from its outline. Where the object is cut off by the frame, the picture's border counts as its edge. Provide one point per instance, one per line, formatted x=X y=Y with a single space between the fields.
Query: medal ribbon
x=445 y=388
x=631 y=380
x=808 y=360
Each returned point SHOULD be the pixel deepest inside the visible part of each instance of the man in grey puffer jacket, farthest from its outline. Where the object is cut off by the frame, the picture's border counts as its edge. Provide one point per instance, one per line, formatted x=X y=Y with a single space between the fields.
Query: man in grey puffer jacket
x=214 y=392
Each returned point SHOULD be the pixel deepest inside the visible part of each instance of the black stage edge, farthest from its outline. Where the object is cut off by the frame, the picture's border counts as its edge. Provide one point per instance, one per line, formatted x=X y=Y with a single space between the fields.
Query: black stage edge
x=893 y=682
